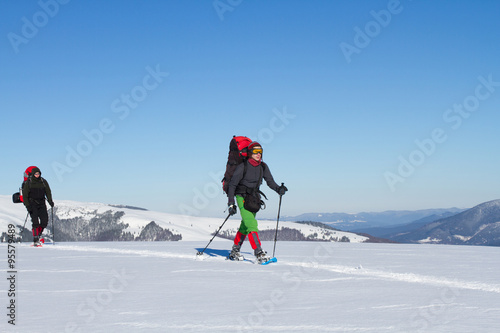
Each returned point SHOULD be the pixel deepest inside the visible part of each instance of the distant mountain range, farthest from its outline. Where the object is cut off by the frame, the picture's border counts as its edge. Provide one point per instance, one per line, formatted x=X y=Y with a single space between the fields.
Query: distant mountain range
x=361 y=222
x=479 y=225
x=393 y=231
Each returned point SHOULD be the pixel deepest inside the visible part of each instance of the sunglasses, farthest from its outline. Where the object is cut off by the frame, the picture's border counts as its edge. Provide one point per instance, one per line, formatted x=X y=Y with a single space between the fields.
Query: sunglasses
x=256 y=151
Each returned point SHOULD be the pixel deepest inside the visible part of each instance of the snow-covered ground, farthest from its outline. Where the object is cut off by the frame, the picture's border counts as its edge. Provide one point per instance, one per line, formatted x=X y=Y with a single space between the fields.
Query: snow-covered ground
x=314 y=287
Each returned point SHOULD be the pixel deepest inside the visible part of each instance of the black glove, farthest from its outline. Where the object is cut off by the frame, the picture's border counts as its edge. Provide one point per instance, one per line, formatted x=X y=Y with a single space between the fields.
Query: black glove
x=282 y=189
x=232 y=209
x=51 y=203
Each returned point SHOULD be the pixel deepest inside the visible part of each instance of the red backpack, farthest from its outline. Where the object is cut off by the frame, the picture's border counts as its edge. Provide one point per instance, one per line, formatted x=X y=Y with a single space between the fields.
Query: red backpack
x=18 y=196
x=237 y=155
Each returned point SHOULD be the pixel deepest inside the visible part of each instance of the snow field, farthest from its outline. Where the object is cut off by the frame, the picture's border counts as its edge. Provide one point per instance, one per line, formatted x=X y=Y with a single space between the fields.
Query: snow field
x=314 y=287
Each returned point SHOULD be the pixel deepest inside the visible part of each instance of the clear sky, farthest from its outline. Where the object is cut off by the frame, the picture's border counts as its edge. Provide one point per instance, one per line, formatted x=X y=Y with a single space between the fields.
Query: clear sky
x=359 y=105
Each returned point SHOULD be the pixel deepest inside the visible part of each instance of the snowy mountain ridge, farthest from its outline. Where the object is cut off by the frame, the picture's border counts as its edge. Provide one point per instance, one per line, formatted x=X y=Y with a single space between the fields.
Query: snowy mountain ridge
x=364 y=220
x=84 y=221
x=479 y=225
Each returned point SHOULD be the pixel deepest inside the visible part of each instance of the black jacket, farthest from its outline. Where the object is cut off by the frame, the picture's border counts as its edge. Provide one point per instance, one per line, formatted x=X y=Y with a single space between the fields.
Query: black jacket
x=35 y=190
x=249 y=178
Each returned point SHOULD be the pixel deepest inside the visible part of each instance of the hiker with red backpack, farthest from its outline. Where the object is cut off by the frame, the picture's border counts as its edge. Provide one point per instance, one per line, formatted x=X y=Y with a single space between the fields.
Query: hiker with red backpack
x=244 y=186
x=34 y=191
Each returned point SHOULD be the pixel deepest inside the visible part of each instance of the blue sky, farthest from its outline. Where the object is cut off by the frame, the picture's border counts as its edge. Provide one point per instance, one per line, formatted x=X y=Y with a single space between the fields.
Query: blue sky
x=360 y=105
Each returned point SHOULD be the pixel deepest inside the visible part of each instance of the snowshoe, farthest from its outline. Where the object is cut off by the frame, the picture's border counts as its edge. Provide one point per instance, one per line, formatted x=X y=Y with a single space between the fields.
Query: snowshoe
x=262 y=257
x=235 y=255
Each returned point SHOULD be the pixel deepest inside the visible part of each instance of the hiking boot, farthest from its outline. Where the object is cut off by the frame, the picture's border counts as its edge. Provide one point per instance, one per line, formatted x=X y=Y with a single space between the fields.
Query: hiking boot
x=262 y=256
x=36 y=241
x=235 y=254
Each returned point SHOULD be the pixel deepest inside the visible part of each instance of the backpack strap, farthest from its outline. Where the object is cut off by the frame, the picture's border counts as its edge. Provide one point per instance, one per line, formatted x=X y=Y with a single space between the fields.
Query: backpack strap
x=255 y=189
x=247 y=190
x=262 y=170
x=44 y=183
x=260 y=179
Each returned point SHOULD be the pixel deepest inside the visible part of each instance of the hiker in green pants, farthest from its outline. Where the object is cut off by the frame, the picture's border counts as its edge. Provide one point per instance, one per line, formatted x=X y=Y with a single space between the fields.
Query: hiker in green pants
x=244 y=185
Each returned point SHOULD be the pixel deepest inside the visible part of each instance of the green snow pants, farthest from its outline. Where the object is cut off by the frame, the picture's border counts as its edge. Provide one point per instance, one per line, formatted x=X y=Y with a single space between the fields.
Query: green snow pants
x=248 y=221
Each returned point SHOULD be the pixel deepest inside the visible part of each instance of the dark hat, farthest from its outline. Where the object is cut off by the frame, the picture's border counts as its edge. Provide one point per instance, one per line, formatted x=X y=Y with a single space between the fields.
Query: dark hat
x=253 y=145
x=35 y=170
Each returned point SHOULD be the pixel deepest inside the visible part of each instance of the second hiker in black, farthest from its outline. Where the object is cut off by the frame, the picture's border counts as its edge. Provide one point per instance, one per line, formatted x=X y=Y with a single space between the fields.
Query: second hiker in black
x=35 y=190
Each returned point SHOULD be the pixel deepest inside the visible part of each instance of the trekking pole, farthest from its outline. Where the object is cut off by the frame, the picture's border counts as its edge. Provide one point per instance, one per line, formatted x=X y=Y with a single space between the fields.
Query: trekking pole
x=277 y=221
x=201 y=252
x=24 y=226
x=52 y=214
x=53 y=235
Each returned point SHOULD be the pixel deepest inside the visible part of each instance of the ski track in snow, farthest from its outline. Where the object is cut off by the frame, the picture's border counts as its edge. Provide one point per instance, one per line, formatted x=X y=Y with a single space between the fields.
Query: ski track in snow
x=355 y=271
x=402 y=277
x=266 y=328
x=145 y=253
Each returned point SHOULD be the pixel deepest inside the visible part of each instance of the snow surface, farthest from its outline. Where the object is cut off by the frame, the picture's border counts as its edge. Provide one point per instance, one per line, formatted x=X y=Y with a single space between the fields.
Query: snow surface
x=314 y=287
